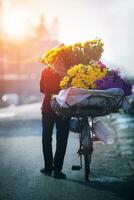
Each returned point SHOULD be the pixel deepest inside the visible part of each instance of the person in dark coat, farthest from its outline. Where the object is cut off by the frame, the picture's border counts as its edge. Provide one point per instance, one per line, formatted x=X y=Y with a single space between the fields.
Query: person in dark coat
x=50 y=85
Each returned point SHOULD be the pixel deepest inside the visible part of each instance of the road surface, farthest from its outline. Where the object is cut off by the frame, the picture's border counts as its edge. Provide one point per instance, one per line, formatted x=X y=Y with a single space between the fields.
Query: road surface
x=21 y=160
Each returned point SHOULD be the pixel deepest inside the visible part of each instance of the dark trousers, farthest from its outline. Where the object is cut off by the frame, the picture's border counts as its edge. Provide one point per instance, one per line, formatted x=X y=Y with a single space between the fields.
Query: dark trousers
x=62 y=131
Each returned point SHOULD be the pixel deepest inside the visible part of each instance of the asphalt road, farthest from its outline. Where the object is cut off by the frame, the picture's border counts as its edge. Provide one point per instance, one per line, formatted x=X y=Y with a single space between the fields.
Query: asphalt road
x=21 y=160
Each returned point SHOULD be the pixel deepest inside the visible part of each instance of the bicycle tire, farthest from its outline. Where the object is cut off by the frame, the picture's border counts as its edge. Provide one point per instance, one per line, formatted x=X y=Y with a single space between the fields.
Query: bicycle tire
x=87 y=159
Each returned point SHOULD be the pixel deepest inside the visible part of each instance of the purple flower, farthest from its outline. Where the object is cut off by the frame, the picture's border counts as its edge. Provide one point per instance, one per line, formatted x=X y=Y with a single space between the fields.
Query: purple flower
x=114 y=80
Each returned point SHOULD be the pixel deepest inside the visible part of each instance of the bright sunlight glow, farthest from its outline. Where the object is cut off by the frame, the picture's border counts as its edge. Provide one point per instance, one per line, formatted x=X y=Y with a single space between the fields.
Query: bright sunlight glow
x=15 y=25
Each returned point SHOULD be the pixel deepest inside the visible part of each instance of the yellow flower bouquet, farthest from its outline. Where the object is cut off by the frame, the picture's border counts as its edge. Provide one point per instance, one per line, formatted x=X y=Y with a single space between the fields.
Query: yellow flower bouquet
x=84 y=76
x=74 y=54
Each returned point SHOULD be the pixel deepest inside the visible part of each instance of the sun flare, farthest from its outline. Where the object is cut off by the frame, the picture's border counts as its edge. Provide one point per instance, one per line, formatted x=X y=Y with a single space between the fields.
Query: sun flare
x=15 y=25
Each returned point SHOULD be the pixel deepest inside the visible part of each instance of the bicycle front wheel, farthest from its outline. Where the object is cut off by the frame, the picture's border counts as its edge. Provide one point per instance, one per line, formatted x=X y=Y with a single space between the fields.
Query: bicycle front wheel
x=87 y=159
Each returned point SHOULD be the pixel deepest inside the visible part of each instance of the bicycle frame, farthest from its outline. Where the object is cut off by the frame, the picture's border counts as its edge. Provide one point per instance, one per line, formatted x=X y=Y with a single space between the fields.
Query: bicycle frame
x=85 y=145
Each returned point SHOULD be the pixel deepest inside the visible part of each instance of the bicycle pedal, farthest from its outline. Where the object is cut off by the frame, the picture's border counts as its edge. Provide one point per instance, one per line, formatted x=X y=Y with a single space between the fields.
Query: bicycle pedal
x=76 y=167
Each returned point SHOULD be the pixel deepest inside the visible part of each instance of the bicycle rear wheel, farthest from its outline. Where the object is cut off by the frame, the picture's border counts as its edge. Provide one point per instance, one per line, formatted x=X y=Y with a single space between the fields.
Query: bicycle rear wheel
x=87 y=144
x=87 y=159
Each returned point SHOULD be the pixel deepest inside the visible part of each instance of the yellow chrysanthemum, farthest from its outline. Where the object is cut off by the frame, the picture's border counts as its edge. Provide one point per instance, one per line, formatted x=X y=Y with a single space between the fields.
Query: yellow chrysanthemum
x=75 y=53
x=84 y=76
x=72 y=71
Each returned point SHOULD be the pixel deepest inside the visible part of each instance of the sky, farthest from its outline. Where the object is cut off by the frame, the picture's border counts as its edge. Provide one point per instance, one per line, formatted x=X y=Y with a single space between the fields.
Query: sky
x=80 y=20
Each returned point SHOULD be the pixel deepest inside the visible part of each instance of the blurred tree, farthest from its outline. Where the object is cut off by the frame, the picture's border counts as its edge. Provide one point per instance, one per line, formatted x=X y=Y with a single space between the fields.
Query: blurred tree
x=41 y=29
x=55 y=28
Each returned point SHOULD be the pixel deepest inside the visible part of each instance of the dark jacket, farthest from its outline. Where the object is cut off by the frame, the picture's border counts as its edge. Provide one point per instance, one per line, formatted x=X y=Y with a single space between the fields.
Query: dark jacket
x=49 y=85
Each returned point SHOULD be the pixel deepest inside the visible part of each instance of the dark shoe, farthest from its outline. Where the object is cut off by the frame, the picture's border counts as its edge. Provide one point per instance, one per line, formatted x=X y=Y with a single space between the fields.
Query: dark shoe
x=59 y=174
x=45 y=172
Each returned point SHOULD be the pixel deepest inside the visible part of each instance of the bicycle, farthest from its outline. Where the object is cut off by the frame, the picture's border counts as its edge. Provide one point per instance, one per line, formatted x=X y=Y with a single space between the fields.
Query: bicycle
x=83 y=111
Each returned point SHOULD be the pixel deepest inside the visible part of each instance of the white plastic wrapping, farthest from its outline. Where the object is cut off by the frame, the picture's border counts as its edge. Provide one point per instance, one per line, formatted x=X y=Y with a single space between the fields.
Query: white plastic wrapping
x=71 y=96
x=102 y=131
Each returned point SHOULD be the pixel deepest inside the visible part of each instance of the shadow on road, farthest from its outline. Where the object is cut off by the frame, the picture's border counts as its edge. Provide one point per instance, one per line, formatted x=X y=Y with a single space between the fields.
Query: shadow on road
x=123 y=189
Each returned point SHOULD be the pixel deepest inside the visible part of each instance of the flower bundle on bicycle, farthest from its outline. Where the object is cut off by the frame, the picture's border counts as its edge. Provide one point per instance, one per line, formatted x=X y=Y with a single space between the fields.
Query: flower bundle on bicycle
x=94 y=88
